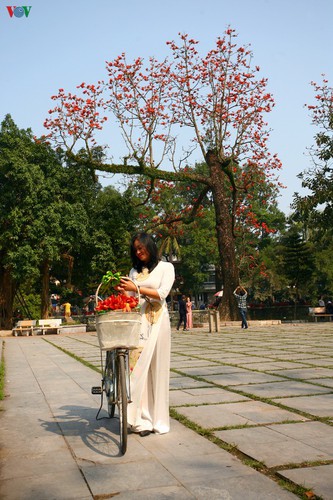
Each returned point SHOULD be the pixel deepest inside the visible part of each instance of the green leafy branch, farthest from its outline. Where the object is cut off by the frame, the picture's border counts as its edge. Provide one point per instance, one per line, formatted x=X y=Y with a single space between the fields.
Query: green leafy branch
x=112 y=278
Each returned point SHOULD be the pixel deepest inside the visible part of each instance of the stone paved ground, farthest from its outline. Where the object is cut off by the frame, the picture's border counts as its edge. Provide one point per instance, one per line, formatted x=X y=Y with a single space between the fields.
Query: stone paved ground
x=266 y=396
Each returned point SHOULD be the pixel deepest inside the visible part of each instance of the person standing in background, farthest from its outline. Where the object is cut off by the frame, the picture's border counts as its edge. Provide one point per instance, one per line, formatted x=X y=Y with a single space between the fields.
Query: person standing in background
x=189 y=304
x=67 y=310
x=182 y=312
x=241 y=295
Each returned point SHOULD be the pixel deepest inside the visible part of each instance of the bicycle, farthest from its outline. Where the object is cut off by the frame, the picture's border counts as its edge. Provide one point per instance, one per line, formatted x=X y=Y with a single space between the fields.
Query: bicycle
x=116 y=387
x=118 y=332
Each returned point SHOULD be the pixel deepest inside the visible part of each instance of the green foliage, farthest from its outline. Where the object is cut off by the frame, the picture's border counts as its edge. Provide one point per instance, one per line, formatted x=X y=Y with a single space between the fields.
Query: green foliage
x=322 y=245
x=298 y=263
x=112 y=278
x=37 y=221
x=317 y=206
x=199 y=252
x=269 y=281
x=111 y=223
x=31 y=306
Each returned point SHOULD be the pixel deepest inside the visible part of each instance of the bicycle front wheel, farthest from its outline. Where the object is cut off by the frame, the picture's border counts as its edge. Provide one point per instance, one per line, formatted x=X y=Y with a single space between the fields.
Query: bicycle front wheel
x=109 y=382
x=122 y=402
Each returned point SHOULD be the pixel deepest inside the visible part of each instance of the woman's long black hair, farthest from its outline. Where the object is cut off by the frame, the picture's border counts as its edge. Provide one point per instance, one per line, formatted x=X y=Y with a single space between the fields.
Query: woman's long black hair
x=147 y=241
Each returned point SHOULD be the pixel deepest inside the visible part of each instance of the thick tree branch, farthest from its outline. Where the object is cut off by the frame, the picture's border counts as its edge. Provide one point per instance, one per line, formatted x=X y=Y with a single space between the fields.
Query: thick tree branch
x=142 y=169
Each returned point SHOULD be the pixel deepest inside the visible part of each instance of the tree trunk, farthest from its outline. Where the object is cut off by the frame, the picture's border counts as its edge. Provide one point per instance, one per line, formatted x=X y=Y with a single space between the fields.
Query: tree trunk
x=7 y=292
x=45 y=296
x=221 y=190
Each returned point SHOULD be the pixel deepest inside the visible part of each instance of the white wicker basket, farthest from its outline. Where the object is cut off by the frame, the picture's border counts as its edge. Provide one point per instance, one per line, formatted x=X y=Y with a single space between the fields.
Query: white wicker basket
x=118 y=329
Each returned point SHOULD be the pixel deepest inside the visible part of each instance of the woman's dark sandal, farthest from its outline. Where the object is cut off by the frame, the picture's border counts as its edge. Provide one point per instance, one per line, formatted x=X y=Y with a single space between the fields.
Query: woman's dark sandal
x=145 y=433
x=141 y=433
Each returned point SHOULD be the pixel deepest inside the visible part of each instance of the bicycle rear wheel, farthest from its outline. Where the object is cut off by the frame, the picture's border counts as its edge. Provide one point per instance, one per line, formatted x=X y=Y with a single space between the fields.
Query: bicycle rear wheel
x=122 y=402
x=109 y=382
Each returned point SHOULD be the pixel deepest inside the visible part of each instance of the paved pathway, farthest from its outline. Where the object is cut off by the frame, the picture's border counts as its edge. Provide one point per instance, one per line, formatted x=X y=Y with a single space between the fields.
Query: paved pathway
x=261 y=400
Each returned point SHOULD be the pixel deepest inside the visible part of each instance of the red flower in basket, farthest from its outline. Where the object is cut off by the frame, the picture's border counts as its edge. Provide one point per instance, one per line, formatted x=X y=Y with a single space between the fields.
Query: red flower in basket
x=119 y=302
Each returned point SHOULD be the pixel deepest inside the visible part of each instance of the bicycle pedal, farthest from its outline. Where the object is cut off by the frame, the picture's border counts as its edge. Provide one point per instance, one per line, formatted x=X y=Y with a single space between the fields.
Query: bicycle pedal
x=96 y=389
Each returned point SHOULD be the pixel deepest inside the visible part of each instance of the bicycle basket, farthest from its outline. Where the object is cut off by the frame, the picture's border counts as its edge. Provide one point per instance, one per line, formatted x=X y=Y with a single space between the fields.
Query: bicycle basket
x=118 y=329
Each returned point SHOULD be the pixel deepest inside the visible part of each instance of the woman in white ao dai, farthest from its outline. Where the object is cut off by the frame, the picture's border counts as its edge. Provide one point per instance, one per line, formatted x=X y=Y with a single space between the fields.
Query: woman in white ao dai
x=149 y=409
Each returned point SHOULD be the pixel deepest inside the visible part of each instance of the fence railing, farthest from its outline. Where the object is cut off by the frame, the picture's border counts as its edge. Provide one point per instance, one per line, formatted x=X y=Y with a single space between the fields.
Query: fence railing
x=202 y=317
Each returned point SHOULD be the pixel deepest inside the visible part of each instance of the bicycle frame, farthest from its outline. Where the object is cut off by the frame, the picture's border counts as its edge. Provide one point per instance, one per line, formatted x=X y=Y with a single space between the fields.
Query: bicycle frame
x=114 y=354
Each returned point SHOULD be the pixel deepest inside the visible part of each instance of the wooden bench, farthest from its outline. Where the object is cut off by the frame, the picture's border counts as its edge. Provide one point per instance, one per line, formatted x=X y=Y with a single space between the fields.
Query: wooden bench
x=24 y=327
x=319 y=312
x=49 y=325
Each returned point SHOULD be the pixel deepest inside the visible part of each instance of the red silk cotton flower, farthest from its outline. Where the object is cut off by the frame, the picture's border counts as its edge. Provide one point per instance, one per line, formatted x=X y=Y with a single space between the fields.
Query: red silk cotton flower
x=119 y=302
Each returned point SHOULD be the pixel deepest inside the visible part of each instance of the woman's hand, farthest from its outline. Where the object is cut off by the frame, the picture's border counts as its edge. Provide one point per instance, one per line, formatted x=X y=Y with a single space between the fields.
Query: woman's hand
x=125 y=285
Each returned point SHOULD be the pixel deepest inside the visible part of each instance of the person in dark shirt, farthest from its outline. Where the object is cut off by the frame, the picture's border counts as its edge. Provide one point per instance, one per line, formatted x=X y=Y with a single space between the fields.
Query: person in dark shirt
x=329 y=307
x=182 y=312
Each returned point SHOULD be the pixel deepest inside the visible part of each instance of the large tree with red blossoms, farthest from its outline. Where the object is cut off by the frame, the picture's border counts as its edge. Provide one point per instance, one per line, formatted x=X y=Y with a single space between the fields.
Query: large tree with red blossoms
x=169 y=111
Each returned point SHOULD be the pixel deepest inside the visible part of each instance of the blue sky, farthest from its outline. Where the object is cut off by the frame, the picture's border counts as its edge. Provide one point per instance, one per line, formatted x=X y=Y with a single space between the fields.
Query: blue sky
x=61 y=44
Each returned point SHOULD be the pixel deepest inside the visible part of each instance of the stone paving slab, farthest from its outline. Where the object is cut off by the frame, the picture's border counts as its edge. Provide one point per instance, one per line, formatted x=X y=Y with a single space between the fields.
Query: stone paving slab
x=241 y=378
x=177 y=492
x=320 y=406
x=241 y=413
x=318 y=434
x=322 y=362
x=185 y=383
x=317 y=479
x=296 y=356
x=327 y=382
x=270 y=366
x=282 y=389
x=305 y=373
x=211 y=395
x=106 y=480
x=201 y=371
x=273 y=448
x=185 y=362
x=52 y=486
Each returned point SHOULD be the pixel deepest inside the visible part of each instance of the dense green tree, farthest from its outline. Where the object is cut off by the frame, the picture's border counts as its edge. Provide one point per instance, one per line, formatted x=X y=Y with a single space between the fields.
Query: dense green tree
x=39 y=221
x=268 y=283
x=25 y=216
x=298 y=263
